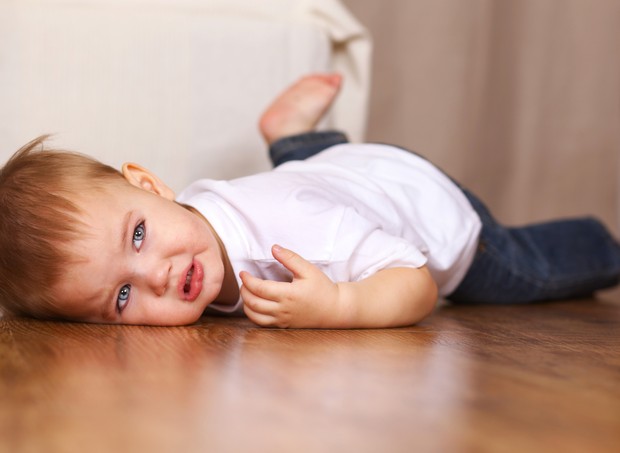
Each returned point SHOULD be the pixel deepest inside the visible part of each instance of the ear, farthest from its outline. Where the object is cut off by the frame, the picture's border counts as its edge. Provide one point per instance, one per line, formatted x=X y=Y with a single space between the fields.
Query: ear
x=142 y=178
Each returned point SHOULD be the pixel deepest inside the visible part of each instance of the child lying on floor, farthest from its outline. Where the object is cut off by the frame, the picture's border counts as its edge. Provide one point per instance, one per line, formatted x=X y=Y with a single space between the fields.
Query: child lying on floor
x=373 y=234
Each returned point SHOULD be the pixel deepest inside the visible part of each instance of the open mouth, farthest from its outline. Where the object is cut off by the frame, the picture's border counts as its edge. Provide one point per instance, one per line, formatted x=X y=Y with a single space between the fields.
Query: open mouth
x=188 y=280
x=190 y=284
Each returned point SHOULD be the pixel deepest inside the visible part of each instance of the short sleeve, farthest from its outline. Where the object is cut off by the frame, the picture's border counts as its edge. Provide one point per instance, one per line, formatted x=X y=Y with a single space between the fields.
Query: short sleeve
x=380 y=250
x=363 y=248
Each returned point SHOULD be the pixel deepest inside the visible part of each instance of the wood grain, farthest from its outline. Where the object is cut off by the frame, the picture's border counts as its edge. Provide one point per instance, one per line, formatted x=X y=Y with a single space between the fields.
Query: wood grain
x=544 y=377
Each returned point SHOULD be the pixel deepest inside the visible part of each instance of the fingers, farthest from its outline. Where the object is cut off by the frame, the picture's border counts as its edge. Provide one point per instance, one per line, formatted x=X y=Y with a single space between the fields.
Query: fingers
x=259 y=301
x=292 y=261
x=261 y=319
x=274 y=303
x=263 y=289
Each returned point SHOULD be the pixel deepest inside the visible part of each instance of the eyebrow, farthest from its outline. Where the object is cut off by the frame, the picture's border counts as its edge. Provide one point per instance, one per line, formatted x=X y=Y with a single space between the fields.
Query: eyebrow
x=125 y=229
x=108 y=310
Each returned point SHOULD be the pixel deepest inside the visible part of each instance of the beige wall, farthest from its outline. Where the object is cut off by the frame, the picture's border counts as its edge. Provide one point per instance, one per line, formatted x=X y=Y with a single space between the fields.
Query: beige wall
x=520 y=100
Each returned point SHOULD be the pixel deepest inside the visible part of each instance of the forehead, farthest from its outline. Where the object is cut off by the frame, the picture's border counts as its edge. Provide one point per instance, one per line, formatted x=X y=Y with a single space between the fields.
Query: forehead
x=105 y=212
x=77 y=299
x=81 y=289
x=90 y=195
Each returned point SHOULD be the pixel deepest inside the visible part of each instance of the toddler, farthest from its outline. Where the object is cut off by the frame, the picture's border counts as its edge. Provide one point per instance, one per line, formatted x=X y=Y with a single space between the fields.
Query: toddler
x=370 y=235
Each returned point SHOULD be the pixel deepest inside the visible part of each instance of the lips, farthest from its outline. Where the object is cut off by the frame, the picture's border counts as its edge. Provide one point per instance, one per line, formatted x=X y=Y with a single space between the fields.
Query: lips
x=190 y=282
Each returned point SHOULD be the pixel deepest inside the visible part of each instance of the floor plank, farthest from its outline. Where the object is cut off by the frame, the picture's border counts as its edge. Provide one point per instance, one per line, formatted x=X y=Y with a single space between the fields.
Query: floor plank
x=470 y=378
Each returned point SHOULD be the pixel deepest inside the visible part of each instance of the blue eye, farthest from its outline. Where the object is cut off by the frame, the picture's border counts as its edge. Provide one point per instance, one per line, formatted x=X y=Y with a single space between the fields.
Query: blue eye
x=138 y=235
x=123 y=298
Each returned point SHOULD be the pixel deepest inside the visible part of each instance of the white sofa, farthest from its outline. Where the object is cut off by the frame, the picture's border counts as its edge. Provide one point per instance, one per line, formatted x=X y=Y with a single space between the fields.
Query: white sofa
x=176 y=85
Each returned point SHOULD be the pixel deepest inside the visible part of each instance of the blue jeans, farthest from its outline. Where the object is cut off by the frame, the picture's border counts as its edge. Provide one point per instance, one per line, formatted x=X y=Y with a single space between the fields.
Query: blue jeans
x=302 y=146
x=569 y=258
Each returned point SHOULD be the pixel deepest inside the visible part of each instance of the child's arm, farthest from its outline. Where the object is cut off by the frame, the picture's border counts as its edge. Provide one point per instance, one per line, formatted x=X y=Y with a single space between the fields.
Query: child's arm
x=390 y=298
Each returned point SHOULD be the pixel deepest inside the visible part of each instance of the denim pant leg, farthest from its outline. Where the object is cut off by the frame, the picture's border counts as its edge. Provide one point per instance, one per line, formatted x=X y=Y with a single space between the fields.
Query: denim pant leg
x=302 y=146
x=553 y=260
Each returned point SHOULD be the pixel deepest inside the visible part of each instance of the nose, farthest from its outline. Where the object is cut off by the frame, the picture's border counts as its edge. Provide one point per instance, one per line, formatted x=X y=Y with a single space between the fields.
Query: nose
x=157 y=277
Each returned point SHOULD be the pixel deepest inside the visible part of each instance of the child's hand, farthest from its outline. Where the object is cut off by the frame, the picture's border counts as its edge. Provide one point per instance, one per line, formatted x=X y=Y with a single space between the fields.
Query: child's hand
x=398 y=296
x=310 y=300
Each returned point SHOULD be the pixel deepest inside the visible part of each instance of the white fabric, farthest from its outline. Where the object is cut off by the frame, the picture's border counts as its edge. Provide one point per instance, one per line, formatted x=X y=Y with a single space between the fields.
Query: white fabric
x=176 y=85
x=351 y=210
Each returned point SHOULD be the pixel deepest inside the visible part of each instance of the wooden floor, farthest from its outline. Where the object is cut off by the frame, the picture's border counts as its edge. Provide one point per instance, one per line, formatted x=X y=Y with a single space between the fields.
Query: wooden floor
x=469 y=379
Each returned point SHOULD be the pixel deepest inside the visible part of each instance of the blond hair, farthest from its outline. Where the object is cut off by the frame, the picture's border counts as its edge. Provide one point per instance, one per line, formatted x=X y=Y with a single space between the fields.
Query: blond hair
x=38 y=220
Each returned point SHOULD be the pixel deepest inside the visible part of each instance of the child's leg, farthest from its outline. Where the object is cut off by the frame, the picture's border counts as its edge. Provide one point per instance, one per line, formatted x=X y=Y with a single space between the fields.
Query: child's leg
x=288 y=123
x=300 y=107
x=302 y=146
x=553 y=260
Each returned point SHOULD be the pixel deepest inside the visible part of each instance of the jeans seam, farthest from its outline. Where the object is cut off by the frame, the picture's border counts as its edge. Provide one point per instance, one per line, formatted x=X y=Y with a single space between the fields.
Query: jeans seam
x=490 y=249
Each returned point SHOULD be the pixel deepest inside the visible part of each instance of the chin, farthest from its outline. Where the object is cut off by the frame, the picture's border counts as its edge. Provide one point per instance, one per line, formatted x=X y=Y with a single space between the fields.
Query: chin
x=194 y=318
x=181 y=320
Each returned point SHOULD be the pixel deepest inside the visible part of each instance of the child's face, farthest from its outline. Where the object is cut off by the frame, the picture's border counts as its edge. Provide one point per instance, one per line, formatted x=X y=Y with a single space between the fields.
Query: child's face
x=144 y=260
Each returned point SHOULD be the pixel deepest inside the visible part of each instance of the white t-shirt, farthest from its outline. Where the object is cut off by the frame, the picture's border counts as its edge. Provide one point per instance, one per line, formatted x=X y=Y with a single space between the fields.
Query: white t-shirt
x=351 y=210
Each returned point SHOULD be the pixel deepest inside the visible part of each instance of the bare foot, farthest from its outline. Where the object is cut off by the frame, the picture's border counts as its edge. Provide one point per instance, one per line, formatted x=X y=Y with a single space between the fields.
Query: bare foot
x=300 y=107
